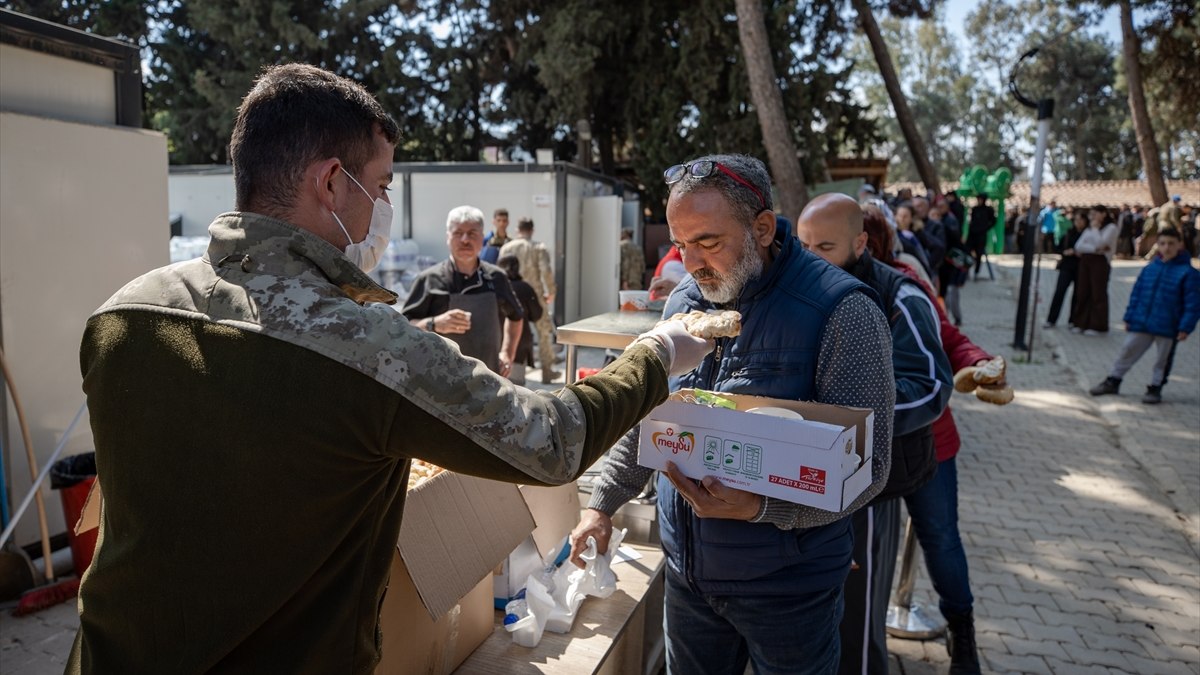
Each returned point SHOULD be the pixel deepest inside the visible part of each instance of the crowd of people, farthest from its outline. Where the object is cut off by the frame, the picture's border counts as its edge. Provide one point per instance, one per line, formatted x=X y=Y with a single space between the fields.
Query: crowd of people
x=309 y=397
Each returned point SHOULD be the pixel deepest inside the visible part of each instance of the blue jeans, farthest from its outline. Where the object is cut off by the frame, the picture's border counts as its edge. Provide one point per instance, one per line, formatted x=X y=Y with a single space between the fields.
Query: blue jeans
x=934 y=512
x=718 y=634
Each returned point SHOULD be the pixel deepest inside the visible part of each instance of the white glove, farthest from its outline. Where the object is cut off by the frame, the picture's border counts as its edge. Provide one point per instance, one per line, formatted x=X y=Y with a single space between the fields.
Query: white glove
x=684 y=351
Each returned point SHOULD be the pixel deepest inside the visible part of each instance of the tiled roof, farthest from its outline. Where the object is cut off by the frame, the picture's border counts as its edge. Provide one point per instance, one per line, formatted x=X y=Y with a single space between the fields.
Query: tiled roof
x=1083 y=192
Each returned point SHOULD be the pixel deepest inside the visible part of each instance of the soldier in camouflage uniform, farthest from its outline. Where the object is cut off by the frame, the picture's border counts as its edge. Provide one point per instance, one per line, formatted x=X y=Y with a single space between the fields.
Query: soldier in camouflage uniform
x=633 y=263
x=536 y=269
x=255 y=412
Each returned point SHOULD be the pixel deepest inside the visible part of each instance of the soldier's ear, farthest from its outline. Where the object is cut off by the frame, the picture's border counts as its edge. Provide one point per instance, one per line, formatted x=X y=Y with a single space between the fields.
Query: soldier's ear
x=323 y=175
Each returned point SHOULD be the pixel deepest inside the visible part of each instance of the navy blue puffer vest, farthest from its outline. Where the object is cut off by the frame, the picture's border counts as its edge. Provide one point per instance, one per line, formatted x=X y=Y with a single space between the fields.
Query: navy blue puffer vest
x=783 y=318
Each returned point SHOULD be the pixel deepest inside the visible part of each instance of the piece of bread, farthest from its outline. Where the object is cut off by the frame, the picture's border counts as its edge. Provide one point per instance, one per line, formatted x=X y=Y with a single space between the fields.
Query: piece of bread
x=964 y=380
x=999 y=394
x=711 y=326
x=992 y=371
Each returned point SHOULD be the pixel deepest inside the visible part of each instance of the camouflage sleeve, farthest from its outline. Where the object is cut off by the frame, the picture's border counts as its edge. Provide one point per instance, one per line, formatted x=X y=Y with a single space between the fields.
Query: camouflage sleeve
x=546 y=270
x=457 y=414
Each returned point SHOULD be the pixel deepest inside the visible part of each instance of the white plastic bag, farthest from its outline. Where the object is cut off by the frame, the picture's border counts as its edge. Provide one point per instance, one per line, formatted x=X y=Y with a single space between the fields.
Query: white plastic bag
x=552 y=598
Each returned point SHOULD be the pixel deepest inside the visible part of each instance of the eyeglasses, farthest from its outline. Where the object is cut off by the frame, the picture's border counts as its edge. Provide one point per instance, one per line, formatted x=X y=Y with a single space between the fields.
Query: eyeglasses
x=703 y=169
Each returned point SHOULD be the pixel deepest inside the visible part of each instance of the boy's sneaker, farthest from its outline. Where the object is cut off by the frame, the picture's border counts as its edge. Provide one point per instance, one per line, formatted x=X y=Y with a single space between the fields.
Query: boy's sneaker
x=1153 y=395
x=1110 y=385
x=1076 y=329
x=1047 y=325
x=1091 y=333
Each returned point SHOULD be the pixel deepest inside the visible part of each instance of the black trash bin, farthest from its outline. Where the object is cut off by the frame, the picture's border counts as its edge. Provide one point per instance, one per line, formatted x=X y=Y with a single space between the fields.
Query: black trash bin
x=73 y=477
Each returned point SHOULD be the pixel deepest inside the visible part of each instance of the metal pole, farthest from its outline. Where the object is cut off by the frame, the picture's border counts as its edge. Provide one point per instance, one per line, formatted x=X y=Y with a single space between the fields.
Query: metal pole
x=907 y=619
x=1045 y=108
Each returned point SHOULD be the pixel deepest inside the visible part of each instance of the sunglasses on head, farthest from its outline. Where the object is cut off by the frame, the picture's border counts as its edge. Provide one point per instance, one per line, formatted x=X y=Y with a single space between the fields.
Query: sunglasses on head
x=703 y=169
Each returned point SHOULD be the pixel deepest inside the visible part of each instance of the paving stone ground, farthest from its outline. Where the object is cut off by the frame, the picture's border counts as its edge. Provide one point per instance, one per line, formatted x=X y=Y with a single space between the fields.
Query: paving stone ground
x=1080 y=515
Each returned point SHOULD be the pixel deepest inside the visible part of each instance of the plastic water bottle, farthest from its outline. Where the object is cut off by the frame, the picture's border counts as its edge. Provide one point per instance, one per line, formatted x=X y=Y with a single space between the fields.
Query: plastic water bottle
x=516 y=609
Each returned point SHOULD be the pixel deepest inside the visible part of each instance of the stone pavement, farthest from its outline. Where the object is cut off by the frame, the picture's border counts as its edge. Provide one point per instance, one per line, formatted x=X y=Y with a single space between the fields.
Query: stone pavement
x=1080 y=515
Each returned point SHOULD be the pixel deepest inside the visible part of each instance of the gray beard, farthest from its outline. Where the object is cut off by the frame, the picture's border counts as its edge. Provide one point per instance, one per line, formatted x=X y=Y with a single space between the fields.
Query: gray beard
x=749 y=266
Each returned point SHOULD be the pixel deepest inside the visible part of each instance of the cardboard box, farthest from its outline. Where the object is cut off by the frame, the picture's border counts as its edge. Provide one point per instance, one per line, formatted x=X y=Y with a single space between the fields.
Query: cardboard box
x=555 y=511
x=438 y=607
x=415 y=643
x=804 y=461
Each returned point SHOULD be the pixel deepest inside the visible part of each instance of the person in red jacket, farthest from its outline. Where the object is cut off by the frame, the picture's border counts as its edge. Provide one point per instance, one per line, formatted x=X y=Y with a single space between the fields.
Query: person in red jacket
x=933 y=508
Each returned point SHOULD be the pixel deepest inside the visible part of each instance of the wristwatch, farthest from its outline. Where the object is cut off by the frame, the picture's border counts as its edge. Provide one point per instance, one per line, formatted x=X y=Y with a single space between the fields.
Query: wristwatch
x=431 y=324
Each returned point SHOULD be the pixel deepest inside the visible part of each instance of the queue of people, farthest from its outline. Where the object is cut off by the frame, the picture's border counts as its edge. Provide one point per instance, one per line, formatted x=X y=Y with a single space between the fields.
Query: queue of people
x=310 y=397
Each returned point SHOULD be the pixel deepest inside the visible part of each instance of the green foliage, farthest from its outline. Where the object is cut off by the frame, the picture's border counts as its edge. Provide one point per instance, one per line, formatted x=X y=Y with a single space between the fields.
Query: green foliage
x=954 y=110
x=1170 y=64
x=1074 y=68
x=658 y=82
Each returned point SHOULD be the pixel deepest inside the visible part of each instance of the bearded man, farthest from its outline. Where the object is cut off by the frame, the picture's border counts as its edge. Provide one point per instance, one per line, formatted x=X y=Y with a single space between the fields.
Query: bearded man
x=752 y=578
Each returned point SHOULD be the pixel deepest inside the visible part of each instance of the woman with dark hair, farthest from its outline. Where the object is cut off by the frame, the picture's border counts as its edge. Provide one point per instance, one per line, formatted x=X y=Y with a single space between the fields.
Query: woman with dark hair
x=1068 y=268
x=1089 y=313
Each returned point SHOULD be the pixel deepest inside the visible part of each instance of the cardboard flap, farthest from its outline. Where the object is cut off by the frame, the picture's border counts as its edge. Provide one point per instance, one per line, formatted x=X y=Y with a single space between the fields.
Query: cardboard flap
x=555 y=510
x=89 y=519
x=456 y=528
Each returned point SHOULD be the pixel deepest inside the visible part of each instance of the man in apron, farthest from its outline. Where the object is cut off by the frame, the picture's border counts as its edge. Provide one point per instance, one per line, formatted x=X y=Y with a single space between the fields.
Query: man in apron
x=466 y=299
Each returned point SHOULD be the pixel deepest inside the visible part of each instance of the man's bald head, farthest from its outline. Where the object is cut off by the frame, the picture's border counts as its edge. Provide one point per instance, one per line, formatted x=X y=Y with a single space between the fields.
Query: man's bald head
x=831 y=226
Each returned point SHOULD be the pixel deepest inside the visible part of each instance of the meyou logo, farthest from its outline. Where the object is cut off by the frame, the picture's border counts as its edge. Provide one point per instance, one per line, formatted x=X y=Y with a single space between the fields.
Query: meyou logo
x=668 y=441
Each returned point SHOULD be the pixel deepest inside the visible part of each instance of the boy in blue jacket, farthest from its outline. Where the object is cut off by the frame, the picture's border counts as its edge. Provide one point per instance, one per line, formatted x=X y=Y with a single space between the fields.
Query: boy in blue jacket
x=1163 y=309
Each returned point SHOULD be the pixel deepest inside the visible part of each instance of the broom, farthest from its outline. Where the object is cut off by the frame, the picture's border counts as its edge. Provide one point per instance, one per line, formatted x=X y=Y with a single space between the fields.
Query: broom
x=51 y=593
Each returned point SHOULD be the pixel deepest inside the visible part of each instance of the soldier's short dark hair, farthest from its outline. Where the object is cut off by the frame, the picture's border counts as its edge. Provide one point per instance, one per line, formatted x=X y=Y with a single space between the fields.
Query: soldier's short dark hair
x=525 y=225
x=295 y=115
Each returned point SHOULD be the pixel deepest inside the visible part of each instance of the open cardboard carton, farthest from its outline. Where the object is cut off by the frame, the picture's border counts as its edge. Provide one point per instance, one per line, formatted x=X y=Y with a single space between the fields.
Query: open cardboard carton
x=804 y=461
x=438 y=607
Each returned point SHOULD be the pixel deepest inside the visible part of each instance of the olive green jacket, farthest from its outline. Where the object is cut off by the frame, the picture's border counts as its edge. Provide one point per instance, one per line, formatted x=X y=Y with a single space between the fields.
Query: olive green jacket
x=254 y=413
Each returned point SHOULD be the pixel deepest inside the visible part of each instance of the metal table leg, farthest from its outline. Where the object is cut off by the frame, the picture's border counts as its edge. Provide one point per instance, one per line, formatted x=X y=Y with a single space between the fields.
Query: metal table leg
x=907 y=619
x=569 y=377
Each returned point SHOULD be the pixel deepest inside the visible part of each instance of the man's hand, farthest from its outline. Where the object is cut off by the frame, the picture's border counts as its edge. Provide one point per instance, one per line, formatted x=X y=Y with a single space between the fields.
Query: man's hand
x=1181 y=337
x=595 y=524
x=713 y=499
x=453 y=322
x=506 y=362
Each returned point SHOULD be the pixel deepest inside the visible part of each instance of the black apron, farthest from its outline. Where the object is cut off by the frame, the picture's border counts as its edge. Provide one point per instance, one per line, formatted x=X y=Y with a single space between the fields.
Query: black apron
x=484 y=338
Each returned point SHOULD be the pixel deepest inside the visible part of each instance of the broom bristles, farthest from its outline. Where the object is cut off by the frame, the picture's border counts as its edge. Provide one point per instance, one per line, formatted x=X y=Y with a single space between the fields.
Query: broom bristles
x=46 y=596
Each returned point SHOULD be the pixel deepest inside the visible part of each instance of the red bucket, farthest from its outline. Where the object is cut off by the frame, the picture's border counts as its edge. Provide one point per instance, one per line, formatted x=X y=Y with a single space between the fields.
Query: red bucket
x=73 y=477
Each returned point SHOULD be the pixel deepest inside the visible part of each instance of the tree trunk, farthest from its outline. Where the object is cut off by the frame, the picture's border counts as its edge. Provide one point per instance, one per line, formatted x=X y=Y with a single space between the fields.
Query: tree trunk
x=768 y=102
x=916 y=147
x=1147 y=147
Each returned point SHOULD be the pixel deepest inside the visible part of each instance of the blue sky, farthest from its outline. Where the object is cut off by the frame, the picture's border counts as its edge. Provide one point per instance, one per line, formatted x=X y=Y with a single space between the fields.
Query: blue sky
x=957 y=11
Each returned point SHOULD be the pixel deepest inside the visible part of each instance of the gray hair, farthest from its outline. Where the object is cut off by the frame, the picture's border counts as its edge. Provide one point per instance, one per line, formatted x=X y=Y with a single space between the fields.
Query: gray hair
x=463 y=214
x=742 y=199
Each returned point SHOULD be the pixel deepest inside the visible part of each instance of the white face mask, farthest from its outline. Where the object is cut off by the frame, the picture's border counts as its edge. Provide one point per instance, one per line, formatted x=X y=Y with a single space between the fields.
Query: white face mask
x=366 y=253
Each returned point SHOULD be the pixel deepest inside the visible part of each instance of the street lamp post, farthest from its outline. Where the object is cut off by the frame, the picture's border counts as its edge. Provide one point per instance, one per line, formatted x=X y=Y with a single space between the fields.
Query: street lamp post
x=1045 y=112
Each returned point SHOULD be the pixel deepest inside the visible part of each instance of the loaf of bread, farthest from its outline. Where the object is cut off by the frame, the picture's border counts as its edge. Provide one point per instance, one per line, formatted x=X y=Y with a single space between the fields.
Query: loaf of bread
x=999 y=394
x=711 y=326
x=964 y=380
